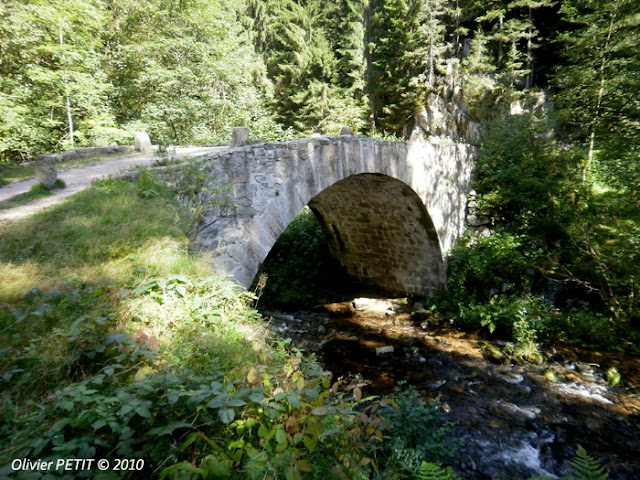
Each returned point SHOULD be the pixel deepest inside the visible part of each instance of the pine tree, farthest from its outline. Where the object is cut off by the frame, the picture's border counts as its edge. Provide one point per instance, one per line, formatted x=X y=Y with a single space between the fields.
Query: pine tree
x=430 y=39
x=349 y=43
x=530 y=31
x=299 y=50
x=392 y=86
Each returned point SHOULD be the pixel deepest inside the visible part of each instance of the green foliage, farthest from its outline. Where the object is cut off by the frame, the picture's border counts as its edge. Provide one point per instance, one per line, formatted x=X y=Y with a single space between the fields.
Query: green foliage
x=595 y=81
x=395 y=27
x=186 y=73
x=583 y=467
x=522 y=175
x=603 y=257
x=431 y=471
x=299 y=267
x=51 y=72
x=417 y=433
x=149 y=185
x=158 y=363
x=553 y=267
x=501 y=263
x=181 y=399
x=313 y=58
x=90 y=72
x=207 y=203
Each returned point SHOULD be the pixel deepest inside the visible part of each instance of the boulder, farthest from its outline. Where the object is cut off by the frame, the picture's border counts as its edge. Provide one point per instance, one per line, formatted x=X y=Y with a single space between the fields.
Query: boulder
x=346 y=131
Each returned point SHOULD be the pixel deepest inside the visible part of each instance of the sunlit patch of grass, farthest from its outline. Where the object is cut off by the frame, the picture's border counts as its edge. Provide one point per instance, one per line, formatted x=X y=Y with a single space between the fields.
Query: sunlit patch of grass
x=17 y=279
x=102 y=225
x=15 y=172
x=37 y=192
x=111 y=238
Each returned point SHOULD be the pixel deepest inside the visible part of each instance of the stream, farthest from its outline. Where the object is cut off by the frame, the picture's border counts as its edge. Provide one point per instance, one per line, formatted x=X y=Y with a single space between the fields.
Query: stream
x=516 y=420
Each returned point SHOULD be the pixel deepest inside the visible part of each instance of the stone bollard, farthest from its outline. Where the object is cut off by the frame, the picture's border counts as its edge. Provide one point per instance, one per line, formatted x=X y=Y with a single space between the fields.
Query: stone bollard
x=46 y=172
x=142 y=142
x=346 y=131
x=239 y=136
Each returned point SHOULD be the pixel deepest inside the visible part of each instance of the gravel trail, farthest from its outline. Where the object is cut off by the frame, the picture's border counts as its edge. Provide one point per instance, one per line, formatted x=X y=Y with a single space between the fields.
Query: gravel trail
x=78 y=179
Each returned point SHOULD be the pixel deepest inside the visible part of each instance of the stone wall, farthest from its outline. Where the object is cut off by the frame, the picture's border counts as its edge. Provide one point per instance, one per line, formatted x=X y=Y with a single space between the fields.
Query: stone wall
x=392 y=210
x=380 y=232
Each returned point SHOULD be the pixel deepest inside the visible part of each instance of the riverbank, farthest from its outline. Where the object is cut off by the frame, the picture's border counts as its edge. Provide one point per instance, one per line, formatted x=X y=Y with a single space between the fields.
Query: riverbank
x=515 y=419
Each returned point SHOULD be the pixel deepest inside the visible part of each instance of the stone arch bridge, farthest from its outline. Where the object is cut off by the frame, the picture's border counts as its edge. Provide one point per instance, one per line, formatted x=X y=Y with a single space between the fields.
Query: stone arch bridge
x=390 y=210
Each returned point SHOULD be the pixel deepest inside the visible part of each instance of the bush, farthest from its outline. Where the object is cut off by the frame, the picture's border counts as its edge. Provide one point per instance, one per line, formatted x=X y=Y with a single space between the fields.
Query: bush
x=198 y=391
x=417 y=433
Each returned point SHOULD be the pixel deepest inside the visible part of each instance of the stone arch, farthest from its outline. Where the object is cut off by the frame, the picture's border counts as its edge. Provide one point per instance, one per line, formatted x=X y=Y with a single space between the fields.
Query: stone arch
x=272 y=182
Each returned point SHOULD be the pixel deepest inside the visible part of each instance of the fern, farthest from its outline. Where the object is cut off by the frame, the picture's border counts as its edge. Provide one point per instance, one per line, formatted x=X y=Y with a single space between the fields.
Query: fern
x=431 y=471
x=585 y=467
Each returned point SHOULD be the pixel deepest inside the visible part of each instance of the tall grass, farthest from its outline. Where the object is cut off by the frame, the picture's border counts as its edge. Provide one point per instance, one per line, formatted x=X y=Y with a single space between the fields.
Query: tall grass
x=105 y=234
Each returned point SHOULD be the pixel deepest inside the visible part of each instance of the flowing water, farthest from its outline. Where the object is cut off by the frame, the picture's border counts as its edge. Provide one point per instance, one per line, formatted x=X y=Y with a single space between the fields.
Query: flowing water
x=517 y=420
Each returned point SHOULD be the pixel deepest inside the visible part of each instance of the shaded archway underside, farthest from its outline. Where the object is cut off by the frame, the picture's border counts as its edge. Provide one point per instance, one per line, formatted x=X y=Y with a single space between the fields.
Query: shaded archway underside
x=379 y=231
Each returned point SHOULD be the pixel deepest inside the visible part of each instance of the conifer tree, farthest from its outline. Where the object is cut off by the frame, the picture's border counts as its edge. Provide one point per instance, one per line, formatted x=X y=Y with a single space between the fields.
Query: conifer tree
x=298 y=42
x=429 y=40
x=394 y=25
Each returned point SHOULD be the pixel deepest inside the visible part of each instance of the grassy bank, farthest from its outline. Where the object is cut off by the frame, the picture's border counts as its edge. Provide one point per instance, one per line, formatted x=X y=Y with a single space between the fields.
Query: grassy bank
x=36 y=192
x=117 y=342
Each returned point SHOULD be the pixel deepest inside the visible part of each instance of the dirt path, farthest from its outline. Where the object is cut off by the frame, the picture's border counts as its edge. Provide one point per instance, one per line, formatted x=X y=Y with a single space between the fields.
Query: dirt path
x=78 y=179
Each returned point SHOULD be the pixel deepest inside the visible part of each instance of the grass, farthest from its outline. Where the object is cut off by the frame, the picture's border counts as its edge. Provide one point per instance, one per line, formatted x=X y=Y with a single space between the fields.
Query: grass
x=100 y=236
x=37 y=192
x=15 y=172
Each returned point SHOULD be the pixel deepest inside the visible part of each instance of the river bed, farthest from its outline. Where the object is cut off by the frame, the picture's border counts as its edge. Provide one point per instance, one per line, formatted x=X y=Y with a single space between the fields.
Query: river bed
x=516 y=420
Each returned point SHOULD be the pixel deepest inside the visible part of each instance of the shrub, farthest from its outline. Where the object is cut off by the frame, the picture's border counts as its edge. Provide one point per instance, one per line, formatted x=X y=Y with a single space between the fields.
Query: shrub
x=418 y=433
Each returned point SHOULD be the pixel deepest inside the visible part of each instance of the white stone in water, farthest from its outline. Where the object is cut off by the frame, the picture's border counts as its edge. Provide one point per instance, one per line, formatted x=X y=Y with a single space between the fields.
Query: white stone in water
x=512 y=378
x=373 y=305
x=529 y=413
x=384 y=350
x=528 y=456
x=142 y=142
x=594 y=392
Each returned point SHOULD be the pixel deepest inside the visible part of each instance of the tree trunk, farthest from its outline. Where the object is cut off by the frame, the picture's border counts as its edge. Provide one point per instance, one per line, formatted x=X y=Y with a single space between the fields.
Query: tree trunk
x=66 y=88
x=594 y=124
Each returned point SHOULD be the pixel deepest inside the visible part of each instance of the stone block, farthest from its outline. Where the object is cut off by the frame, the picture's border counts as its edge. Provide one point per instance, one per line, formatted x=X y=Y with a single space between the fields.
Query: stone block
x=46 y=172
x=142 y=142
x=239 y=137
x=477 y=220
